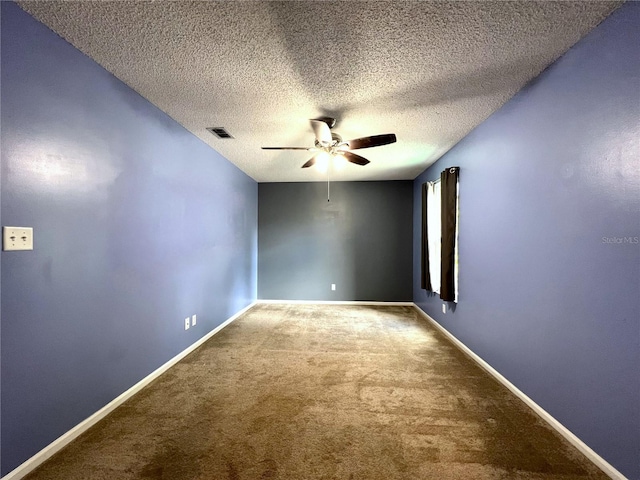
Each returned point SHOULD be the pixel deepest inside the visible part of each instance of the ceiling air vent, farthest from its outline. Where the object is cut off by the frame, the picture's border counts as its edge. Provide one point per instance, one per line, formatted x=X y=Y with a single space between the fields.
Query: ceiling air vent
x=219 y=132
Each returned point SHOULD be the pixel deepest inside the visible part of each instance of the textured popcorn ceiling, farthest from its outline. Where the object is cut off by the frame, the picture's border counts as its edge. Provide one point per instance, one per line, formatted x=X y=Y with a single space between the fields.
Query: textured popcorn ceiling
x=427 y=71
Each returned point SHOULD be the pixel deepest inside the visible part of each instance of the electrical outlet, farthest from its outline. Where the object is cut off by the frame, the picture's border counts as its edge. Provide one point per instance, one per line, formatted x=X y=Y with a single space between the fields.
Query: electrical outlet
x=186 y=323
x=17 y=238
x=333 y=286
x=444 y=308
x=193 y=320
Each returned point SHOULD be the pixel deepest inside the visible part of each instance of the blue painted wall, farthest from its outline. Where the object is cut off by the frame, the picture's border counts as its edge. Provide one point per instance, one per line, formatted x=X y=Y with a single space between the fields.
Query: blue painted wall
x=360 y=241
x=549 y=251
x=137 y=224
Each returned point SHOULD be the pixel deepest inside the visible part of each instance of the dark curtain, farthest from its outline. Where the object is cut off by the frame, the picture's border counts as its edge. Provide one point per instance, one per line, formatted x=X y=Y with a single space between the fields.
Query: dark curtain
x=448 y=185
x=425 y=282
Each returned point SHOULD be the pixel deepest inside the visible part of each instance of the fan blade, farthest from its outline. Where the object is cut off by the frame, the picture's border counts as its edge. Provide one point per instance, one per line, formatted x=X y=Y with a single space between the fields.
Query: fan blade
x=311 y=162
x=288 y=148
x=372 y=141
x=322 y=131
x=353 y=158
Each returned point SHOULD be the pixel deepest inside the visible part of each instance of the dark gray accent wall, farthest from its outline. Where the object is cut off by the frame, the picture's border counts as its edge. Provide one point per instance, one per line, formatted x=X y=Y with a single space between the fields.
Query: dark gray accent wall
x=137 y=225
x=550 y=240
x=360 y=240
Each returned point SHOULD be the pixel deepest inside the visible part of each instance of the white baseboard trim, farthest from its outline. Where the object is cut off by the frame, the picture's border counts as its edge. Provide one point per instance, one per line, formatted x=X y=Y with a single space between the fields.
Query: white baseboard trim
x=605 y=466
x=62 y=441
x=334 y=302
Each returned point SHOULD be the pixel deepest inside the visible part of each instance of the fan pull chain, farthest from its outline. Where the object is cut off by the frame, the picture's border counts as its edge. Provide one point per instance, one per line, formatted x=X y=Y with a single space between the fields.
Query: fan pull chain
x=328 y=183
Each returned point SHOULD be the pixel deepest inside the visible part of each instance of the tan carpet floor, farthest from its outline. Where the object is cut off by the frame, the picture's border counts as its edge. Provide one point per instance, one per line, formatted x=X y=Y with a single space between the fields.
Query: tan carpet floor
x=322 y=392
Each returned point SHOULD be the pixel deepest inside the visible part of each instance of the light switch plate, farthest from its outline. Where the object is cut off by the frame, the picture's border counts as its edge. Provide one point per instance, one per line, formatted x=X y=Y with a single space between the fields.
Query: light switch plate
x=194 y=320
x=17 y=238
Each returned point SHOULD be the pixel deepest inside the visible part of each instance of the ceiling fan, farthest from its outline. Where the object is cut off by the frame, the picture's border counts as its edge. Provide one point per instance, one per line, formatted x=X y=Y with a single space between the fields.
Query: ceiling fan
x=330 y=143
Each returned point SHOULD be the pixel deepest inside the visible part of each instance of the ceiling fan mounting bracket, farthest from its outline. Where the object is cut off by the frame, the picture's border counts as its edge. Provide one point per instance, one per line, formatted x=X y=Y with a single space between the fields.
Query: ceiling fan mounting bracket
x=331 y=122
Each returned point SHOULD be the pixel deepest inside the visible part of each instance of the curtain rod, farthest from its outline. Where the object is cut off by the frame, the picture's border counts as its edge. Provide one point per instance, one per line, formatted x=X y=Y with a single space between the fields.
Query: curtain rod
x=452 y=169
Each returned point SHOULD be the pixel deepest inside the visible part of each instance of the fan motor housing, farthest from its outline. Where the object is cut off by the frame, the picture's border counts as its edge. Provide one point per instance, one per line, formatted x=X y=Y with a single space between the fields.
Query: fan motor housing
x=335 y=141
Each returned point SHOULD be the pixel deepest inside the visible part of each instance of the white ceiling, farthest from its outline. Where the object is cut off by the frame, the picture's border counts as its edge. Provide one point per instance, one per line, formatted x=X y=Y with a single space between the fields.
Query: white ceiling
x=427 y=71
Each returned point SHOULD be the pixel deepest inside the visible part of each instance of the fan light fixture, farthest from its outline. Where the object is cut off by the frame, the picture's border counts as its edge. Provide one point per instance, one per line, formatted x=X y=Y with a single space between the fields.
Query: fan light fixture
x=325 y=160
x=322 y=161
